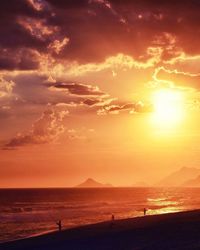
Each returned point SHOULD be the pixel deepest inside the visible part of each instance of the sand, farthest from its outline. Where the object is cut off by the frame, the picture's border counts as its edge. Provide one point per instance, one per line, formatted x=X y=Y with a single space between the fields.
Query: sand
x=168 y=231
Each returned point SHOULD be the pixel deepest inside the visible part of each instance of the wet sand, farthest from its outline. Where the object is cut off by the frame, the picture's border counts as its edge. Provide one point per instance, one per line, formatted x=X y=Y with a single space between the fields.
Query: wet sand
x=167 y=231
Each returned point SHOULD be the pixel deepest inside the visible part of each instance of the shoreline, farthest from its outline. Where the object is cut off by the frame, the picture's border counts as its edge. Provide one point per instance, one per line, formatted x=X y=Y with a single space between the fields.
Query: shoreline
x=178 y=230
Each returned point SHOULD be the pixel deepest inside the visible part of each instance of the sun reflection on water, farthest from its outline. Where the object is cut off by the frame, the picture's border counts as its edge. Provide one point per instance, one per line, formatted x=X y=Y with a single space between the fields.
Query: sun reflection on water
x=163 y=205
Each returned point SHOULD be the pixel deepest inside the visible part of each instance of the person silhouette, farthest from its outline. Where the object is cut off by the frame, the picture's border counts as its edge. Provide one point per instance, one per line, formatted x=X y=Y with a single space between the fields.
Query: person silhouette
x=59 y=223
x=112 y=217
x=145 y=211
x=112 y=220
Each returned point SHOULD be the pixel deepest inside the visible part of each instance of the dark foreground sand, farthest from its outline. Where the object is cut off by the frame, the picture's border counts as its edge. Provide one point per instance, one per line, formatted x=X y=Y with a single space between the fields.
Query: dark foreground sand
x=167 y=231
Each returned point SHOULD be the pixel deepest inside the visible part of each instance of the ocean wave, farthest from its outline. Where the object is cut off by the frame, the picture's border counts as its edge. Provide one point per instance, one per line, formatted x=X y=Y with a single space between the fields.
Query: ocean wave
x=23 y=215
x=49 y=207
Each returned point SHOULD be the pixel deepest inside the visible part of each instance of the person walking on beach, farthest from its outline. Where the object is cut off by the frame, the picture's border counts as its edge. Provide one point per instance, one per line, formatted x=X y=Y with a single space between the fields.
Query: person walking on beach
x=112 y=220
x=145 y=211
x=112 y=217
x=59 y=223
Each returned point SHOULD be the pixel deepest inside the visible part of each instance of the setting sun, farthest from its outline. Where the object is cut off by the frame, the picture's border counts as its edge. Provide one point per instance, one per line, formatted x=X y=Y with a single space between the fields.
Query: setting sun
x=168 y=107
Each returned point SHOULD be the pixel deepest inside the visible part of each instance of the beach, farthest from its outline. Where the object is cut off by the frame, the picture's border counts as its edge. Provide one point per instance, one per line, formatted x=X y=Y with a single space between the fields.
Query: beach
x=167 y=231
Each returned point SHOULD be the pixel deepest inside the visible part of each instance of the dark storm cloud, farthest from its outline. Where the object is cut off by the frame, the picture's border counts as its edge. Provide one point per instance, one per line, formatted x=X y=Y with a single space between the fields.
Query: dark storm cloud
x=100 y=28
x=96 y=29
x=18 y=43
x=69 y=3
x=23 y=59
x=13 y=35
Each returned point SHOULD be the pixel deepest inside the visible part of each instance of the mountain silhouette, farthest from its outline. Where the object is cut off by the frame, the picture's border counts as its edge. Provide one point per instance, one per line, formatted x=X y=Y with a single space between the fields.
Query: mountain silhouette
x=193 y=182
x=178 y=178
x=91 y=183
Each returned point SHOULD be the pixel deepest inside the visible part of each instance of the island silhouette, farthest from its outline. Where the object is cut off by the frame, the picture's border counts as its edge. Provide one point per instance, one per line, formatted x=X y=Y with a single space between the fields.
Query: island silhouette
x=91 y=183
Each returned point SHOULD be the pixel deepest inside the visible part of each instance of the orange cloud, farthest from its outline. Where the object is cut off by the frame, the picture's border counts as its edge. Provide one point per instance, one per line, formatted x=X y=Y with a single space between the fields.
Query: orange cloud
x=45 y=130
x=37 y=27
x=58 y=45
x=6 y=88
x=175 y=78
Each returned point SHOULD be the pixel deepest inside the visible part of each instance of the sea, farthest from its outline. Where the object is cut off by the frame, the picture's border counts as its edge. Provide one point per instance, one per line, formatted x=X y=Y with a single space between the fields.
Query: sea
x=28 y=212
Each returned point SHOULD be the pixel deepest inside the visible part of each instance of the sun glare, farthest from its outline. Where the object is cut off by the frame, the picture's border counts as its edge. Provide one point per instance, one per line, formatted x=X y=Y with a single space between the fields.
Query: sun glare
x=168 y=107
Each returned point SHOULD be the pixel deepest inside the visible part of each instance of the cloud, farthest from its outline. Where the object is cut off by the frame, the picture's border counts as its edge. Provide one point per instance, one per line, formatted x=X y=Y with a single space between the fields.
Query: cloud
x=97 y=101
x=120 y=61
x=58 y=45
x=37 y=28
x=80 y=134
x=23 y=59
x=45 y=130
x=184 y=63
x=96 y=35
x=78 y=98
x=175 y=78
x=131 y=108
x=127 y=27
x=13 y=35
x=6 y=88
x=26 y=32
x=78 y=89
x=28 y=93
x=88 y=96
x=37 y=4
x=65 y=68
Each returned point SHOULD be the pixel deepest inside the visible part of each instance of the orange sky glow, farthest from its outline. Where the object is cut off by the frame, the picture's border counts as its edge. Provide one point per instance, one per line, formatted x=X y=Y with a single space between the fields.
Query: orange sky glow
x=100 y=89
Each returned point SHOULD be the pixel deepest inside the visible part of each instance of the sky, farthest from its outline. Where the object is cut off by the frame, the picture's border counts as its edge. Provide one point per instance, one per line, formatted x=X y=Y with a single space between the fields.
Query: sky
x=95 y=88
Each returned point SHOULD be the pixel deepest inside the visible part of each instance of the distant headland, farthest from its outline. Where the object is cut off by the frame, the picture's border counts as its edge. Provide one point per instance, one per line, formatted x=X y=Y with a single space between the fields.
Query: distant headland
x=91 y=183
